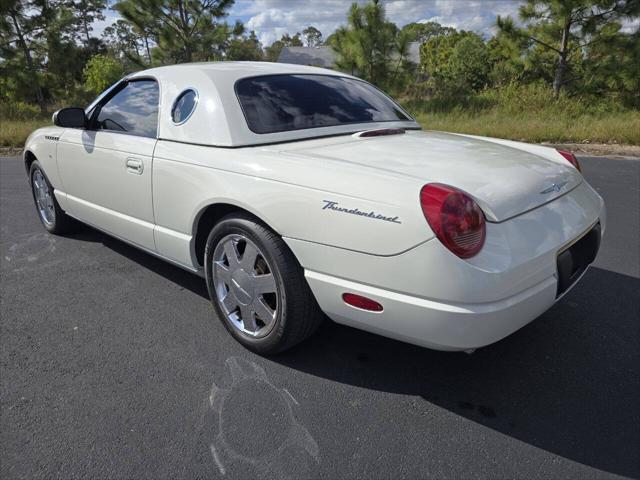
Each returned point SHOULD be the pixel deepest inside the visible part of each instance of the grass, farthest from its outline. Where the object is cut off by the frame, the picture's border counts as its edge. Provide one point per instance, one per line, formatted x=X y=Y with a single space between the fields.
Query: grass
x=531 y=114
x=617 y=128
x=13 y=133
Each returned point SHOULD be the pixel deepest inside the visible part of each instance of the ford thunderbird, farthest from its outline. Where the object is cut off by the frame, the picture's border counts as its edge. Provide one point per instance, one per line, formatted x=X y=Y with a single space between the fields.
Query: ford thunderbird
x=300 y=193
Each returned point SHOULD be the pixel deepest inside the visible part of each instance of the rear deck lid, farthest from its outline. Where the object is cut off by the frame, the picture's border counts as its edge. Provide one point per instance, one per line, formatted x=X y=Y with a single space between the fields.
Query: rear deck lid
x=505 y=181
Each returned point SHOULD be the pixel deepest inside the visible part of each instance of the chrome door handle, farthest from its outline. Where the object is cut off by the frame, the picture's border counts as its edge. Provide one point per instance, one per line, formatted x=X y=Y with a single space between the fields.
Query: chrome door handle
x=134 y=165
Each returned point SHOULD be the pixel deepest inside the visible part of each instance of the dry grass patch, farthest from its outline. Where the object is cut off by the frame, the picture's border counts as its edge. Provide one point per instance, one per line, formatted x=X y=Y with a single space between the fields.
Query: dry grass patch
x=13 y=133
x=620 y=128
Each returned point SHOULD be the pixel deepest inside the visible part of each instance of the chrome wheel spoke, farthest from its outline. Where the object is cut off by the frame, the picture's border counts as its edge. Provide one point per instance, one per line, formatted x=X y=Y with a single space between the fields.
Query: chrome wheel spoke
x=249 y=257
x=263 y=311
x=264 y=284
x=222 y=272
x=229 y=302
x=232 y=254
x=248 y=318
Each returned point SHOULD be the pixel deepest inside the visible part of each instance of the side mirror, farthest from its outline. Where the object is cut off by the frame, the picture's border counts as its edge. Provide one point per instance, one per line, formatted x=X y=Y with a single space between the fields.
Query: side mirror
x=72 y=117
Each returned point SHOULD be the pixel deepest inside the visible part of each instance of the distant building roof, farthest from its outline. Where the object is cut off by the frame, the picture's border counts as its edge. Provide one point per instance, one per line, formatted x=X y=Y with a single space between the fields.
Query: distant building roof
x=315 y=56
x=325 y=56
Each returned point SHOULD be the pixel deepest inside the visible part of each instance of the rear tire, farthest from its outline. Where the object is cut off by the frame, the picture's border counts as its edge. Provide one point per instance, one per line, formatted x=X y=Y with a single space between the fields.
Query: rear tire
x=257 y=287
x=52 y=217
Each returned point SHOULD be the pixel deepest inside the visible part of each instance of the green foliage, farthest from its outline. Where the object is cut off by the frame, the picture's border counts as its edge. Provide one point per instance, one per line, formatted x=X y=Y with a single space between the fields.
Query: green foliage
x=456 y=62
x=128 y=43
x=245 y=48
x=100 y=72
x=312 y=36
x=183 y=30
x=19 y=110
x=422 y=32
x=558 y=32
x=371 y=47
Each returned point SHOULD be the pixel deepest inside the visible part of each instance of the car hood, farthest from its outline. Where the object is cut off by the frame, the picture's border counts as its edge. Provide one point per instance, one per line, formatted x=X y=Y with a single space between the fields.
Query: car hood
x=505 y=178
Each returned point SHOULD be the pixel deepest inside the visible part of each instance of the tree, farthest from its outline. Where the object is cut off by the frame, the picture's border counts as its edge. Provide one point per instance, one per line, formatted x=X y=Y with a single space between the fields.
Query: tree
x=102 y=71
x=245 y=47
x=367 y=46
x=456 y=63
x=124 y=41
x=312 y=36
x=184 y=30
x=565 y=27
x=86 y=12
x=272 y=52
x=421 y=32
x=18 y=28
x=612 y=67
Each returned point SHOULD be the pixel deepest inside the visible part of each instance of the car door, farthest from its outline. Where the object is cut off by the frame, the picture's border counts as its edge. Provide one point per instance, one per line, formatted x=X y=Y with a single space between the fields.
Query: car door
x=106 y=168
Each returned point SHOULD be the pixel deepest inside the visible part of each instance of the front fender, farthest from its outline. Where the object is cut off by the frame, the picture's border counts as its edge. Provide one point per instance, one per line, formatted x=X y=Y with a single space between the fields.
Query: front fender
x=42 y=144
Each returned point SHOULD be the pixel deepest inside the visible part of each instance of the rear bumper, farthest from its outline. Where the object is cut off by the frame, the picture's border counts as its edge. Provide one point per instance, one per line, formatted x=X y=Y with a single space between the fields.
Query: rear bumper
x=448 y=303
x=432 y=324
x=449 y=326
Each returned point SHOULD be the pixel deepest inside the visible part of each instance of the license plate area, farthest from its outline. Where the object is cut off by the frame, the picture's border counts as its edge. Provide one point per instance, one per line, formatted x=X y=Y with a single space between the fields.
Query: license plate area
x=574 y=260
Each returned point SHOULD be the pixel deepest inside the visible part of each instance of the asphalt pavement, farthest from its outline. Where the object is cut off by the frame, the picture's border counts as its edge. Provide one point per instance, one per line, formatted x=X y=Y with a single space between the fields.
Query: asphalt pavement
x=113 y=365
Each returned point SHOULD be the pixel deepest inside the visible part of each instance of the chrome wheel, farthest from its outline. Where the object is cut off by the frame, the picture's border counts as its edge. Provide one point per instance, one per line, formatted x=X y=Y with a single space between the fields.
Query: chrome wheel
x=44 y=198
x=245 y=286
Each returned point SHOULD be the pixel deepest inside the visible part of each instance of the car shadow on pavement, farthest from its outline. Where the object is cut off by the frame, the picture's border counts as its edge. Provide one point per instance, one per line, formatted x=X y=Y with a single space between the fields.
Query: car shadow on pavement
x=177 y=275
x=567 y=383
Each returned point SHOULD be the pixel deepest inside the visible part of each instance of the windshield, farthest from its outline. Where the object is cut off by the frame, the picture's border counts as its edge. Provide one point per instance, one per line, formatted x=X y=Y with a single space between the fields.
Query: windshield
x=280 y=103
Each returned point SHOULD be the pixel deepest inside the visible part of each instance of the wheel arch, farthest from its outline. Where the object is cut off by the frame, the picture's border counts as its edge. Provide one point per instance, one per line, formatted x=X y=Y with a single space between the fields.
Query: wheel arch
x=28 y=157
x=211 y=214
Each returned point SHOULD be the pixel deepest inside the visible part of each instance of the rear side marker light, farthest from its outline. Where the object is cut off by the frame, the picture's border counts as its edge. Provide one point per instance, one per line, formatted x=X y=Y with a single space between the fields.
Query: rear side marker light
x=361 y=302
x=571 y=158
x=455 y=218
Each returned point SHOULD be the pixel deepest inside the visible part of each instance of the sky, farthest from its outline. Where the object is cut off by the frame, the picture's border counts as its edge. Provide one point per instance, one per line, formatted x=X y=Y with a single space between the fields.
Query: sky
x=272 y=18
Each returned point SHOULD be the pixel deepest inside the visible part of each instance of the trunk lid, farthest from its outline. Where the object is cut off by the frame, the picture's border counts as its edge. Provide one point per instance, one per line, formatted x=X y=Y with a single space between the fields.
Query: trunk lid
x=505 y=180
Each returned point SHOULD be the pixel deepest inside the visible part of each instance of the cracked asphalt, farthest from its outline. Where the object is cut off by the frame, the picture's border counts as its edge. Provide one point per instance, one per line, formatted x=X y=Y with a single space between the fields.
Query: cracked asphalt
x=113 y=365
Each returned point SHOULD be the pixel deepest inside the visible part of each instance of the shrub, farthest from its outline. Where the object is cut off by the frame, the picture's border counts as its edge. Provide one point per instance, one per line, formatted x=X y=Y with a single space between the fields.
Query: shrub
x=100 y=72
x=12 y=110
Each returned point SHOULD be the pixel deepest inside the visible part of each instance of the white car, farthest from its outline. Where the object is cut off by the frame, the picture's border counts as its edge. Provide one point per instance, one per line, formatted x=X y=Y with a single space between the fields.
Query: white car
x=297 y=191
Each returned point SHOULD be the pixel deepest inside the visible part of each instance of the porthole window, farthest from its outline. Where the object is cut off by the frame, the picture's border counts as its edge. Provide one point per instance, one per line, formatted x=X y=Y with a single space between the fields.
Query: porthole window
x=184 y=106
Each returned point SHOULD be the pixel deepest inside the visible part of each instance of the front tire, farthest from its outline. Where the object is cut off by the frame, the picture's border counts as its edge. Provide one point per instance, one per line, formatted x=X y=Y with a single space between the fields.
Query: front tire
x=257 y=287
x=52 y=217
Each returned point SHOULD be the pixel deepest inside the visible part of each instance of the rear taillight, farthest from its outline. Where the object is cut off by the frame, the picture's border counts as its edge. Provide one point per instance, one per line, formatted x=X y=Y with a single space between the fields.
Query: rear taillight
x=455 y=218
x=571 y=158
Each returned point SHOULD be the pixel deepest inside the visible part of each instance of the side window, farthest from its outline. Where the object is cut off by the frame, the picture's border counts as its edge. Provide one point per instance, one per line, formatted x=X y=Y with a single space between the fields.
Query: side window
x=184 y=106
x=134 y=110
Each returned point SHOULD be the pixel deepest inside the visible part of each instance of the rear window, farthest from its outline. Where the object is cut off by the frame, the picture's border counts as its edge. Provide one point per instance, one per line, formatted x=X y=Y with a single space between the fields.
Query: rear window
x=280 y=103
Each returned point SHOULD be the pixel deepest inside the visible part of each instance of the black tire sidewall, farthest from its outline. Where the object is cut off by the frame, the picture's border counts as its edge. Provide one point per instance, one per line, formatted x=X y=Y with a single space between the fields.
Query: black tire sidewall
x=257 y=233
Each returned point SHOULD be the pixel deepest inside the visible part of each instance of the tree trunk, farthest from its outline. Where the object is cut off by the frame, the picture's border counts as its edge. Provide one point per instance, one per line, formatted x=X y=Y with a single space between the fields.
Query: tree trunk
x=27 y=56
x=561 y=69
x=86 y=28
x=146 y=46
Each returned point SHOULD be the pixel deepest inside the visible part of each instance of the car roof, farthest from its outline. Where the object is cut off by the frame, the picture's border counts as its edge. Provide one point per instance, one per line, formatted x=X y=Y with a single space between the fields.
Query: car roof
x=218 y=119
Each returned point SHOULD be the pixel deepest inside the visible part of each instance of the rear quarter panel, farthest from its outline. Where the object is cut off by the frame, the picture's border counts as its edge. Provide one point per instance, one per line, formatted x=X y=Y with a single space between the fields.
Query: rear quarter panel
x=289 y=195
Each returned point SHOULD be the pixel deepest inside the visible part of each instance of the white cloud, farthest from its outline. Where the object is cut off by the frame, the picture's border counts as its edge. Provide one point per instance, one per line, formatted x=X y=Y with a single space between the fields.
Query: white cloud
x=271 y=18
